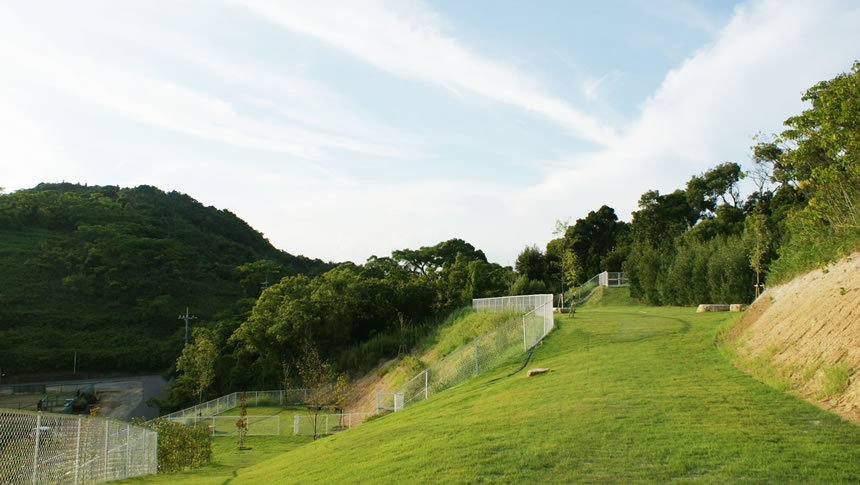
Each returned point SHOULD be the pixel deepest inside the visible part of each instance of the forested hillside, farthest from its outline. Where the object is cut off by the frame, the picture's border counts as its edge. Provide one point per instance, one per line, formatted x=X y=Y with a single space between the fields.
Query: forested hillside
x=105 y=271
x=705 y=242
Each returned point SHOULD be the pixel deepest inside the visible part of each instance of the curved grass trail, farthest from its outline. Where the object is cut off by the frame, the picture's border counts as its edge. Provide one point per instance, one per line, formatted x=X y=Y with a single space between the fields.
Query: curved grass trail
x=634 y=394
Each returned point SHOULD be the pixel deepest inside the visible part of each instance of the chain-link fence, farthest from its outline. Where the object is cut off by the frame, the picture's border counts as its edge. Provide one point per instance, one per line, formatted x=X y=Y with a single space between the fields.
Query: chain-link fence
x=611 y=279
x=481 y=354
x=303 y=424
x=256 y=425
x=40 y=448
x=252 y=398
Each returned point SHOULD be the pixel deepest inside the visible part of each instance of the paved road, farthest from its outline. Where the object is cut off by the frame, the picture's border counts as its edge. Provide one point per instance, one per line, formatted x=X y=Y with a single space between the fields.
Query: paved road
x=153 y=386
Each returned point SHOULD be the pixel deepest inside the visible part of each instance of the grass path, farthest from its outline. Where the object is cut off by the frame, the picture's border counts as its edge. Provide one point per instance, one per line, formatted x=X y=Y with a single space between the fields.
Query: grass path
x=634 y=394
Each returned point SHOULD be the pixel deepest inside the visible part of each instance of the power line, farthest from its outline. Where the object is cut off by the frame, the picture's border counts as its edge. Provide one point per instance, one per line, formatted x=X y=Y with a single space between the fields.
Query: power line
x=187 y=317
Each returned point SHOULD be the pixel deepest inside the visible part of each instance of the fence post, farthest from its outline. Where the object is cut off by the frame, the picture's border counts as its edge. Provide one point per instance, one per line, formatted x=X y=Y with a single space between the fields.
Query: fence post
x=426 y=382
x=107 y=428
x=213 y=425
x=476 y=356
x=127 y=448
x=78 y=451
x=36 y=448
x=145 y=465
x=326 y=424
x=524 y=334
x=256 y=398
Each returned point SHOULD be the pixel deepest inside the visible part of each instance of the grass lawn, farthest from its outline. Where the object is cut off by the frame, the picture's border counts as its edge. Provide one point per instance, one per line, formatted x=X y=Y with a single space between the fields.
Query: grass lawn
x=227 y=459
x=634 y=394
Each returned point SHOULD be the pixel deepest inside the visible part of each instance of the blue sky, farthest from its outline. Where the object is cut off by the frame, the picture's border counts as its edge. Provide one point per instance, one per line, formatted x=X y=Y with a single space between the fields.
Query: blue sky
x=346 y=129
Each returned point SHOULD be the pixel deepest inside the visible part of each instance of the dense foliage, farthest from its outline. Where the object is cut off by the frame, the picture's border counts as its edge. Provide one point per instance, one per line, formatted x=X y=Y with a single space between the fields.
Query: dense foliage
x=180 y=447
x=704 y=243
x=352 y=315
x=104 y=272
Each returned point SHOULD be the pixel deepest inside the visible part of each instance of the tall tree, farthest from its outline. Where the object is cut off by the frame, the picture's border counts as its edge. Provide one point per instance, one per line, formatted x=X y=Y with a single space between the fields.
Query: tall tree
x=661 y=218
x=593 y=238
x=197 y=361
x=531 y=264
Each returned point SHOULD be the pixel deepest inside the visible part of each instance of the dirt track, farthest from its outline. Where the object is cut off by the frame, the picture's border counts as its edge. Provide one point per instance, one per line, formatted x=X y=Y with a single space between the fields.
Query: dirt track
x=806 y=327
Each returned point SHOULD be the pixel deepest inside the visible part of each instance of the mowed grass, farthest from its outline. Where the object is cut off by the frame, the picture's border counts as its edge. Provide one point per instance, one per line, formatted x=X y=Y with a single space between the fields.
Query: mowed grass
x=634 y=394
x=227 y=458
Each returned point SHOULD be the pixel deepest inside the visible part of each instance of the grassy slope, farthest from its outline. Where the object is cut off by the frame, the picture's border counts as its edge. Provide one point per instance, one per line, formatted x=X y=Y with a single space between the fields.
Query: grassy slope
x=460 y=328
x=227 y=459
x=635 y=393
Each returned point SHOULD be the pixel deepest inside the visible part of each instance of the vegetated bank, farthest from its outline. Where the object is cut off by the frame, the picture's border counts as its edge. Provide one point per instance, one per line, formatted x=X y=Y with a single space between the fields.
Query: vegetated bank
x=804 y=337
x=634 y=393
x=97 y=275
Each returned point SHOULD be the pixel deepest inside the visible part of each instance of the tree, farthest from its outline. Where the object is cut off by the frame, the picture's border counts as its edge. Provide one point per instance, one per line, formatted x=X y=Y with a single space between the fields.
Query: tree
x=197 y=361
x=242 y=422
x=531 y=264
x=717 y=183
x=427 y=259
x=661 y=218
x=758 y=239
x=826 y=159
x=593 y=238
x=571 y=268
x=325 y=387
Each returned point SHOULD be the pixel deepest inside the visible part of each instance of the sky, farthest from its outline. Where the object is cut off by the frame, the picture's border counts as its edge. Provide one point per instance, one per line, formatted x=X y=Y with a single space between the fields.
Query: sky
x=344 y=129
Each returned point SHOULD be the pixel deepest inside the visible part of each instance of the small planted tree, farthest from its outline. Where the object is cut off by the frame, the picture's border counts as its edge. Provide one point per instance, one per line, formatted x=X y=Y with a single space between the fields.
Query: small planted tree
x=326 y=389
x=242 y=423
x=758 y=239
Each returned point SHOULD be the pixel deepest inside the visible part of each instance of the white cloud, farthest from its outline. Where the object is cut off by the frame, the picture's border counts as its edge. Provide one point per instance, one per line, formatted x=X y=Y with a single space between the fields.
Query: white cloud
x=406 y=39
x=707 y=110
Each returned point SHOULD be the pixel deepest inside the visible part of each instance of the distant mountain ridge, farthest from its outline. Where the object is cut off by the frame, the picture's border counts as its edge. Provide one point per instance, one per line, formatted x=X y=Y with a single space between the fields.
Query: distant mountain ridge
x=105 y=271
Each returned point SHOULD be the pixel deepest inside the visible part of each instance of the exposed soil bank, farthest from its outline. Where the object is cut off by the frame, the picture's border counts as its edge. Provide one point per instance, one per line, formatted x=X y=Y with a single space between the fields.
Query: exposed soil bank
x=804 y=336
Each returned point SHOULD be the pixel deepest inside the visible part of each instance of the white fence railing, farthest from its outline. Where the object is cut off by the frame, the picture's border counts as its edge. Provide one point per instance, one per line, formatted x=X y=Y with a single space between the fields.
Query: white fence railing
x=256 y=425
x=609 y=279
x=252 y=398
x=57 y=448
x=481 y=354
x=303 y=424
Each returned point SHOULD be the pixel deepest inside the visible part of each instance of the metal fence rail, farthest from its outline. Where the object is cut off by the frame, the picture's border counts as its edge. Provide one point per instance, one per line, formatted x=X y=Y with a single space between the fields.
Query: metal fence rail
x=56 y=448
x=609 y=279
x=303 y=424
x=481 y=354
x=252 y=398
x=256 y=425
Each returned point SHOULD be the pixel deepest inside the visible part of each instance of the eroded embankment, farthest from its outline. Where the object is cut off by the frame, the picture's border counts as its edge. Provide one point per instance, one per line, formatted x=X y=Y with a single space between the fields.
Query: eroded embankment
x=804 y=337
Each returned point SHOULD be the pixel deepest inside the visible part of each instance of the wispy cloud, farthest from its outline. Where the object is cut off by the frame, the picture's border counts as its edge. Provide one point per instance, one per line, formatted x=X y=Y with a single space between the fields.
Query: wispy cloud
x=407 y=39
x=592 y=85
x=706 y=111
x=306 y=121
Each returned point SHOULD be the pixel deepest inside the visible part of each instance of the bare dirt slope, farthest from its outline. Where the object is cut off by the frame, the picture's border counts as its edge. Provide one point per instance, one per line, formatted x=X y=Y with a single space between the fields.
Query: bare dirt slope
x=362 y=399
x=807 y=334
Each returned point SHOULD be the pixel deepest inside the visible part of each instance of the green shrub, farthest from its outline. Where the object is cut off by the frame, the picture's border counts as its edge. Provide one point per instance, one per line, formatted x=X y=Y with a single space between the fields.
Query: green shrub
x=180 y=447
x=835 y=380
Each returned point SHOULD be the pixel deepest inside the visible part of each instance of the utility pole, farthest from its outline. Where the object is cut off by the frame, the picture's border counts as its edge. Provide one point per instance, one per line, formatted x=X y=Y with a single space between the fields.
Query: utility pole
x=187 y=317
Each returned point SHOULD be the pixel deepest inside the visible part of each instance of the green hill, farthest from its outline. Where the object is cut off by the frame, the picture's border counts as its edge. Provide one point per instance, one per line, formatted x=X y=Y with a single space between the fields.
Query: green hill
x=105 y=271
x=633 y=394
